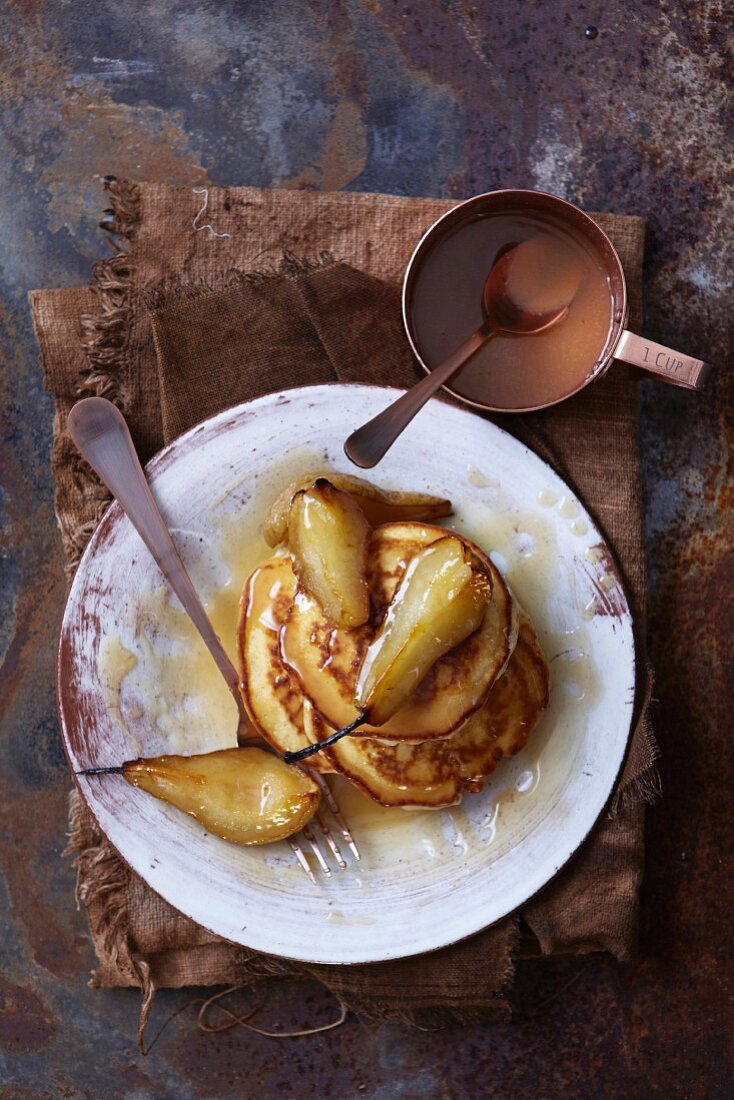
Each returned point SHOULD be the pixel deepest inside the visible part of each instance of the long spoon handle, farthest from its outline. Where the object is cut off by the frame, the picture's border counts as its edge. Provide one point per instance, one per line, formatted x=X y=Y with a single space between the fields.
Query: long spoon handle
x=370 y=443
x=99 y=430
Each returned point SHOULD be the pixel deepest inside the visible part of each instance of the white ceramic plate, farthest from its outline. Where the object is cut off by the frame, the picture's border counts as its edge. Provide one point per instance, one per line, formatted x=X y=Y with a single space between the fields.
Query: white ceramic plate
x=134 y=680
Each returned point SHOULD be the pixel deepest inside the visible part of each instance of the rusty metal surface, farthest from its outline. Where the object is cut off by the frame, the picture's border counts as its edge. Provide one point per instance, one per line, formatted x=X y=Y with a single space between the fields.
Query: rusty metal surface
x=418 y=98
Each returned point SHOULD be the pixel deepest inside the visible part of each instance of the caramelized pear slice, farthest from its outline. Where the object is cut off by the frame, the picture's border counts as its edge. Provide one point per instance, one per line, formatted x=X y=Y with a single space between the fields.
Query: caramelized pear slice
x=246 y=796
x=378 y=505
x=329 y=538
x=439 y=602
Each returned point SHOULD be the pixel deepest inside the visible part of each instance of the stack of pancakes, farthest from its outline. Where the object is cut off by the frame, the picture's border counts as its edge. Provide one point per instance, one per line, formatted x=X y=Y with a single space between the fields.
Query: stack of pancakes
x=299 y=670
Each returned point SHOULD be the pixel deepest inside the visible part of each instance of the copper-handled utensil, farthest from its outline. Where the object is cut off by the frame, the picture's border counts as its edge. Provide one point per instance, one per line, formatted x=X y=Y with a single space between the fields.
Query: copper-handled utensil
x=505 y=310
x=100 y=433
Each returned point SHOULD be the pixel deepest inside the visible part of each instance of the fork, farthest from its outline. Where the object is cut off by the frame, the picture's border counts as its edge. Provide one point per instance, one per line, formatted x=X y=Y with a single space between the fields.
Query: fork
x=100 y=433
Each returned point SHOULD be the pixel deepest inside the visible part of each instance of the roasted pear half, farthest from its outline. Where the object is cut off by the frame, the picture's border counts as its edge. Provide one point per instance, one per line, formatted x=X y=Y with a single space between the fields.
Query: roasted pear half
x=273 y=700
x=378 y=505
x=328 y=537
x=243 y=795
x=512 y=711
x=439 y=602
x=327 y=660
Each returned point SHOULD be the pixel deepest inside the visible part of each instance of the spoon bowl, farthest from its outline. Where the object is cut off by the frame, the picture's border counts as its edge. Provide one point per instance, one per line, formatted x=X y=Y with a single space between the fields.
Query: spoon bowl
x=531 y=286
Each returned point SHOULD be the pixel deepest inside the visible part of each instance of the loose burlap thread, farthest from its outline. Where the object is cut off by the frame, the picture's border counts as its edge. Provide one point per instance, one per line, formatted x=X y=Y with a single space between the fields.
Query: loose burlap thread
x=182 y=323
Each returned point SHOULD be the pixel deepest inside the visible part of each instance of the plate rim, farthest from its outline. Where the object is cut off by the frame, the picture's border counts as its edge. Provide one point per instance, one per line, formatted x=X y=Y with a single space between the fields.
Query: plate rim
x=157 y=464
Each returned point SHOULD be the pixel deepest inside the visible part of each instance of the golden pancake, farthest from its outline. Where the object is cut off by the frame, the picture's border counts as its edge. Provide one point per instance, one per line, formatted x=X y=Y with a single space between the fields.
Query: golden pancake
x=433 y=774
x=272 y=699
x=404 y=774
x=513 y=709
x=326 y=659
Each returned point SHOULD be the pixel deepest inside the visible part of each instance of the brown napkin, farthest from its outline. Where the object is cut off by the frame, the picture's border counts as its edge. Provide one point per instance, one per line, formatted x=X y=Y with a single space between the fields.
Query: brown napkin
x=228 y=327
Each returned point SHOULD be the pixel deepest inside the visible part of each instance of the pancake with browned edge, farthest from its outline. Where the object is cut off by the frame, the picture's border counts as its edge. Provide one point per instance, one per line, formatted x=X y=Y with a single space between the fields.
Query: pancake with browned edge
x=434 y=773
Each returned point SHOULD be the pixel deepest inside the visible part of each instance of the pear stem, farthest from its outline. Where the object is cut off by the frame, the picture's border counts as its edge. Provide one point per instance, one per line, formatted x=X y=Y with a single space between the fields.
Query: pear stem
x=295 y=757
x=101 y=771
x=288 y=757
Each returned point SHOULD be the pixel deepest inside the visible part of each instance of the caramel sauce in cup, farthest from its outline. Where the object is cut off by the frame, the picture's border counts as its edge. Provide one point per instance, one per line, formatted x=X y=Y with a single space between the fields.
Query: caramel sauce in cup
x=442 y=306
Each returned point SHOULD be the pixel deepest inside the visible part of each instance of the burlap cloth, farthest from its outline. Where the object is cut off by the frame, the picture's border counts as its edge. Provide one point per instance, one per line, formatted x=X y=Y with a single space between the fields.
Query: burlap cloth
x=223 y=335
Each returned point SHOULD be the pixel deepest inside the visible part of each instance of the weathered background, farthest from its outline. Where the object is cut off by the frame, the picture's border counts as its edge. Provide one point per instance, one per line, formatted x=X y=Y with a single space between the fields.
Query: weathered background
x=418 y=98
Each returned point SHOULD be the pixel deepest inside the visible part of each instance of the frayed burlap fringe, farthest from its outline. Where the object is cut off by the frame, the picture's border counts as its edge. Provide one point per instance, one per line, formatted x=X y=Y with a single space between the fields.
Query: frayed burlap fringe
x=646 y=785
x=106 y=332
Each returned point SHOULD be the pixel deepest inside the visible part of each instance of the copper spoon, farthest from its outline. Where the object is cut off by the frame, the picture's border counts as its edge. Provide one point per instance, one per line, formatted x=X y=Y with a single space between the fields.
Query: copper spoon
x=529 y=288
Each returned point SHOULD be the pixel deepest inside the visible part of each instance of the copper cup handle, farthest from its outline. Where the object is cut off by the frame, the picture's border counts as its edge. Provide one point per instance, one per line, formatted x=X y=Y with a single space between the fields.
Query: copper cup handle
x=672 y=366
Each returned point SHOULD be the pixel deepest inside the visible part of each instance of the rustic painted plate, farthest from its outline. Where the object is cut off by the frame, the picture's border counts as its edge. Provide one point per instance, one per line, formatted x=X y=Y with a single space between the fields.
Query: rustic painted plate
x=133 y=679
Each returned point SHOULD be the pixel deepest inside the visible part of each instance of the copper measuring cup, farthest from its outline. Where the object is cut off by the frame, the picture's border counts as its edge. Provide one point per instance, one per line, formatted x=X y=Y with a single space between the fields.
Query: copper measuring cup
x=671 y=366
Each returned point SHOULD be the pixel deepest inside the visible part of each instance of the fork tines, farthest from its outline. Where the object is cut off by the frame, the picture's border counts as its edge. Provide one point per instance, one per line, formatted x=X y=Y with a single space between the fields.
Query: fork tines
x=312 y=841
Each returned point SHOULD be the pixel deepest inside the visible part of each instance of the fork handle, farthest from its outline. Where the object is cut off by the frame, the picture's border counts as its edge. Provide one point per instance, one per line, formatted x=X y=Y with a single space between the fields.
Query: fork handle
x=99 y=431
